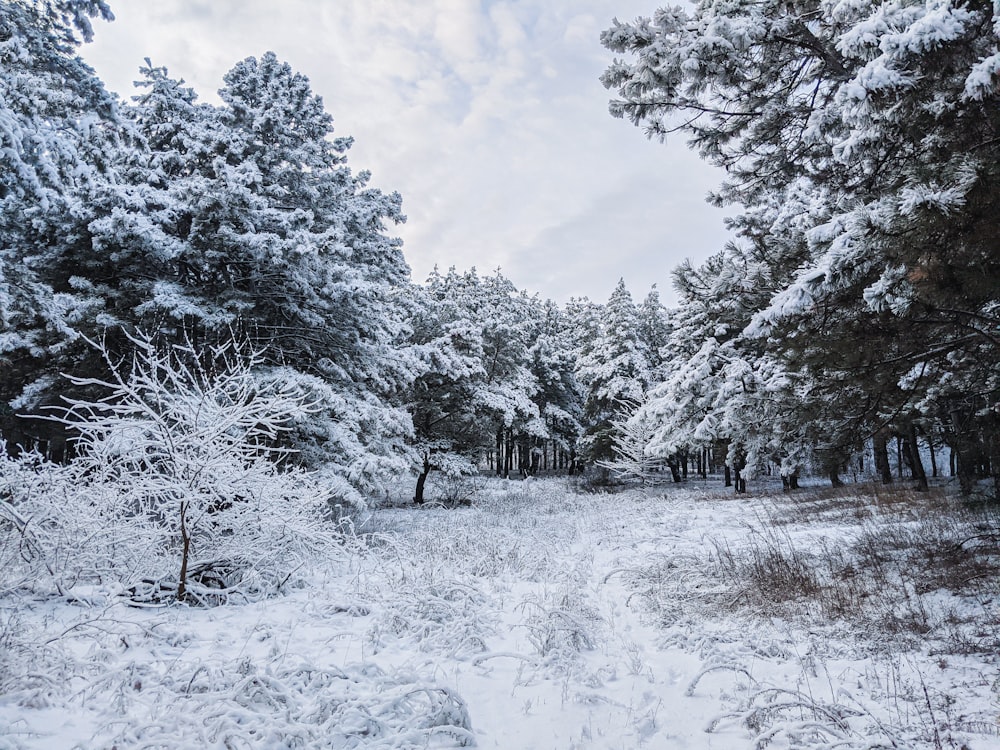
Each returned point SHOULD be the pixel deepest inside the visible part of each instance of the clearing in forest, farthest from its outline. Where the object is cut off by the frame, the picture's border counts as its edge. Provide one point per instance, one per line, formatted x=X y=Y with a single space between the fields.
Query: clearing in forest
x=543 y=618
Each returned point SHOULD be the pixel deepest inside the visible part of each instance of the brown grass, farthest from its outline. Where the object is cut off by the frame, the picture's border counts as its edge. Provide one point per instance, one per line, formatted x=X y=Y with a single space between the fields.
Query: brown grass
x=897 y=564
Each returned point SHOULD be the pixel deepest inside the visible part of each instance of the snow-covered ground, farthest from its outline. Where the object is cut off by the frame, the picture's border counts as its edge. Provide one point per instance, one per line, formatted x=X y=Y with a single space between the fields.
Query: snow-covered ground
x=536 y=618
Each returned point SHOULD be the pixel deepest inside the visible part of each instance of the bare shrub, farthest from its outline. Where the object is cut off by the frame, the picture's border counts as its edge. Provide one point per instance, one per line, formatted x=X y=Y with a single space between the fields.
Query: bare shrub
x=562 y=627
x=454 y=490
x=176 y=491
x=769 y=569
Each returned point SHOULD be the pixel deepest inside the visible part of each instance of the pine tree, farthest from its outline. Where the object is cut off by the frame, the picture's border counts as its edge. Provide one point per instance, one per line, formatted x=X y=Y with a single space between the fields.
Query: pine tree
x=614 y=371
x=290 y=244
x=560 y=396
x=449 y=431
x=476 y=389
x=859 y=142
x=202 y=223
x=507 y=398
x=57 y=124
x=654 y=331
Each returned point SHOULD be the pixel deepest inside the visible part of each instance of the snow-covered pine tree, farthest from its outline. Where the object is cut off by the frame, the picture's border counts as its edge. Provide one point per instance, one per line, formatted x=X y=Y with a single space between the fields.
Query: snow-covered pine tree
x=57 y=125
x=262 y=228
x=476 y=390
x=449 y=431
x=140 y=265
x=614 y=370
x=238 y=218
x=878 y=123
x=560 y=396
x=654 y=330
x=506 y=398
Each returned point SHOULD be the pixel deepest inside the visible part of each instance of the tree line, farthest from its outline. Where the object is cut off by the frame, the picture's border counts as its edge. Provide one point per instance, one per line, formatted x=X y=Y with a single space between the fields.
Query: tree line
x=859 y=303
x=857 y=307
x=191 y=226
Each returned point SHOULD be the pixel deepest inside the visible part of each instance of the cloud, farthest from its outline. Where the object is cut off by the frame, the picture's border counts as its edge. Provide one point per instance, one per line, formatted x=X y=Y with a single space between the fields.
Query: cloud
x=636 y=223
x=487 y=116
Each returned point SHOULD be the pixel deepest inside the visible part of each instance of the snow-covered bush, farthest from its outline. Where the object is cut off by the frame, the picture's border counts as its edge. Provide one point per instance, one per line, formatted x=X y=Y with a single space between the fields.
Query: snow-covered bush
x=631 y=436
x=53 y=530
x=295 y=705
x=177 y=488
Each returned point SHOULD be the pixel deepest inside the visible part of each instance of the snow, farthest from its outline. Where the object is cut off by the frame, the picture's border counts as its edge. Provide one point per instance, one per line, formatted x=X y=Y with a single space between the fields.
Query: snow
x=537 y=618
x=981 y=81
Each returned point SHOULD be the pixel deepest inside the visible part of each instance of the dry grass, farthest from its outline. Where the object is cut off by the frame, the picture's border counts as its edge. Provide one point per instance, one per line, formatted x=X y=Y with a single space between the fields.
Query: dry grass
x=895 y=565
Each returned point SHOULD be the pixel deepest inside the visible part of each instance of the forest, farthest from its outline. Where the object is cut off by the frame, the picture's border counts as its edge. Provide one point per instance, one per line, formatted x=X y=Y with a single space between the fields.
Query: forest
x=221 y=390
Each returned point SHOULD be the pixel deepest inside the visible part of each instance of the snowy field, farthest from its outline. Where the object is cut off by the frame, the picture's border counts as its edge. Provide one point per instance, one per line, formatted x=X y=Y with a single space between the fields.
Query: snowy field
x=541 y=618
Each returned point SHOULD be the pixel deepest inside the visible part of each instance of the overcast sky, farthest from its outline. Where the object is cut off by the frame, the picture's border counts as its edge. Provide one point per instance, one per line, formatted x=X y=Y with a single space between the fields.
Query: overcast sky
x=486 y=115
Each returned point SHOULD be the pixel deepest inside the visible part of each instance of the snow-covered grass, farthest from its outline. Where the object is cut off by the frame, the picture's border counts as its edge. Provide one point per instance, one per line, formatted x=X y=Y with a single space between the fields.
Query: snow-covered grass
x=537 y=617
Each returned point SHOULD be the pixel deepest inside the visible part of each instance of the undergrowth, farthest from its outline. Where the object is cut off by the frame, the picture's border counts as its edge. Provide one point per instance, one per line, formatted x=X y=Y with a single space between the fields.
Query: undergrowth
x=895 y=566
x=902 y=565
x=884 y=599
x=819 y=618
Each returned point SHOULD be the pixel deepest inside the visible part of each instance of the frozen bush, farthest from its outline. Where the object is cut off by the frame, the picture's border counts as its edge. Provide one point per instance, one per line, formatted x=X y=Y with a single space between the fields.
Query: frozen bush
x=177 y=489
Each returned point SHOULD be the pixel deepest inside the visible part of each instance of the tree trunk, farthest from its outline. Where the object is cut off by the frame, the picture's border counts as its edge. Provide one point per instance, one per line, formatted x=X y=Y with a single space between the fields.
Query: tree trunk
x=965 y=450
x=185 y=552
x=934 y=466
x=916 y=465
x=899 y=456
x=739 y=481
x=739 y=464
x=992 y=438
x=500 y=452
x=880 y=442
x=418 y=495
x=523 y=456
x=728 y=476
x=508 y=459
x=965 y=468
x=675 y=475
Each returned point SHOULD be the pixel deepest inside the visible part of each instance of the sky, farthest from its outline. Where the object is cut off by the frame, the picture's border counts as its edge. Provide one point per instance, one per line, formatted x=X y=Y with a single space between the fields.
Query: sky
x=487 y=116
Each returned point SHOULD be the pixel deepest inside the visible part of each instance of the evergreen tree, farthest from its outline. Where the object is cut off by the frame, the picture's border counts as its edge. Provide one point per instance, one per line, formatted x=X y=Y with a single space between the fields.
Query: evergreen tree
x=509 y=329
x=654 y=331
x=560 y=396
x=284 y=242
x=614 y=371
x=859 y=141
x=450 y=431
x=57 y=125
x=202 y=223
